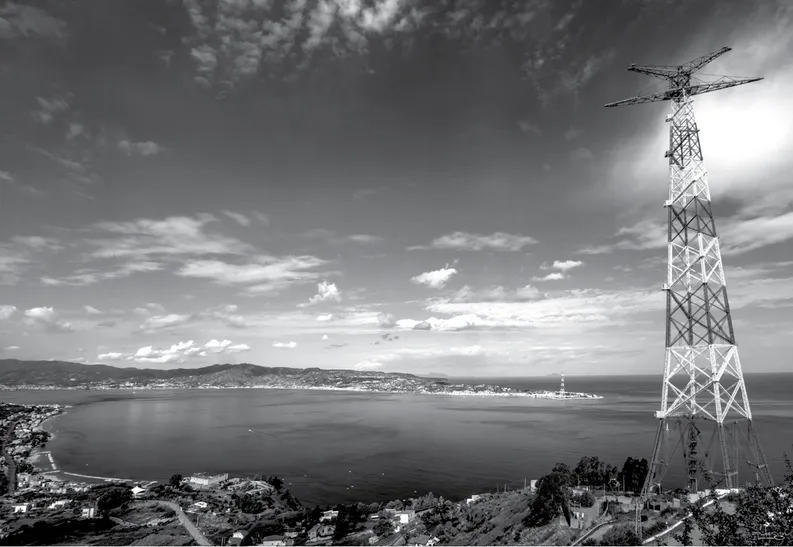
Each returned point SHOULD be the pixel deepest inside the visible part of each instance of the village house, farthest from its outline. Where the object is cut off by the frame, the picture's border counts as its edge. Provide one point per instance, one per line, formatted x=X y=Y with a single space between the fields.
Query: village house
x=88 y=512
x=22 y=507
x=405 y=517
x=59 y=504
x=327 y=516
x=472 y=499
x=137 y=491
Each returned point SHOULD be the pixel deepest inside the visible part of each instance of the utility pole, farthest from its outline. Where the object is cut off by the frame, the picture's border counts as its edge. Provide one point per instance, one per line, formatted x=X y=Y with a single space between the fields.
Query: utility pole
x=701 y=352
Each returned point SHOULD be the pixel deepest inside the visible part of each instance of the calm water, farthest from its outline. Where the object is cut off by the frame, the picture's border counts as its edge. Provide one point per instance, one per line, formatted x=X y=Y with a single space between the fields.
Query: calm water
x=341 y=447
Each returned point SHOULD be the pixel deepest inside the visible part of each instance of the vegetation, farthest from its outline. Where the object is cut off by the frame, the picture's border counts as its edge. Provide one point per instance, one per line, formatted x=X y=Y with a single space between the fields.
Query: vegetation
x=621 y=535
x=175 y=481
x=383 y=528
x=761 y=516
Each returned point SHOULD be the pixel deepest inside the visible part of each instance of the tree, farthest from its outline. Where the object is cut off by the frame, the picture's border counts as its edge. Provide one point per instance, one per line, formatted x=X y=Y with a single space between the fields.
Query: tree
x=620 y=535
x=762 y=516
x=276 y=482
x=112 y=498
x=175 y=481
x=550 y=501
x=565 y=473
x=633 y=474
x=383 y=528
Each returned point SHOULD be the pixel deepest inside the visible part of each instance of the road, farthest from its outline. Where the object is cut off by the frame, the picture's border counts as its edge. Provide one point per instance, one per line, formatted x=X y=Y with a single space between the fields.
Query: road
x=185 y=521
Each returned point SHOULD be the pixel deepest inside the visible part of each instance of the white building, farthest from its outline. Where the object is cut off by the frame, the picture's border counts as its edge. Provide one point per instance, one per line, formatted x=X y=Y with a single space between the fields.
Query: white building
x=405 y=516
x=273 y=541
x=202 y=479
x=21 y=508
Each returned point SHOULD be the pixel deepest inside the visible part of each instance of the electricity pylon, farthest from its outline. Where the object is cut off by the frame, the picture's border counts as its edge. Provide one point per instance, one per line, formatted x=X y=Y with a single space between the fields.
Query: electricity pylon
x=703 y=384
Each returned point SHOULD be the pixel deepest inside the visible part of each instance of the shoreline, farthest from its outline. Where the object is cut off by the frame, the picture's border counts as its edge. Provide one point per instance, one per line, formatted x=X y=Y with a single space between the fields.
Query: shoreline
x=537 y=395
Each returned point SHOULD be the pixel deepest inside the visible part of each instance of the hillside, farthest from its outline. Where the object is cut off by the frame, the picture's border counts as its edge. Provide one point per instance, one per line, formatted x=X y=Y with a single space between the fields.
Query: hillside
x=63 y=374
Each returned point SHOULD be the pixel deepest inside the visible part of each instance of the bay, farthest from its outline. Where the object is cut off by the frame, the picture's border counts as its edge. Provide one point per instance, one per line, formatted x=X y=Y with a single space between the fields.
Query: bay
x=340 y=447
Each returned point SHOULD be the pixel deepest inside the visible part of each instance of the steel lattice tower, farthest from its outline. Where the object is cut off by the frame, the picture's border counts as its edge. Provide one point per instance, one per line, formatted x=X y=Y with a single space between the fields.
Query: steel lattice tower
x=703 y=385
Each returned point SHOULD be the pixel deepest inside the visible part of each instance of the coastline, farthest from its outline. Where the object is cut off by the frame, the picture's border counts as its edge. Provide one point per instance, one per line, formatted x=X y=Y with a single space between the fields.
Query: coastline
x=54 y=472
x=530 y=395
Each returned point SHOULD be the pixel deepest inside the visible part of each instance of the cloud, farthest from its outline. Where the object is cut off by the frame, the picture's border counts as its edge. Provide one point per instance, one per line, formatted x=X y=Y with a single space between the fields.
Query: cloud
x=7 y=311
x=169 y=237
x=49 y=109
x=261 y=218
x=564 y=265
x=285 y=345
x=435 y=279
x=239 y=218
x=573 y=133
x=364 y=238
x=178 y=352
x=89 y=276
x=582 y=154
x=45 y=317
x=386 y=320
x=496 y=294
x=160 y=322
x=267 y=274
x=11 y=348
x=326 y=292
x=365 y=192
x=91 y=310
x=554 y=276
x=463 y=241
x=528 y=127
x=147 y=148
x=20 y=20
x=324 y=337
x=325 y=317
x=367 y=365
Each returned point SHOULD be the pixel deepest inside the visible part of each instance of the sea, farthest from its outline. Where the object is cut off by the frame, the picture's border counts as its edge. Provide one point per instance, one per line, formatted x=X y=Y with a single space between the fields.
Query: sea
x=342 y=447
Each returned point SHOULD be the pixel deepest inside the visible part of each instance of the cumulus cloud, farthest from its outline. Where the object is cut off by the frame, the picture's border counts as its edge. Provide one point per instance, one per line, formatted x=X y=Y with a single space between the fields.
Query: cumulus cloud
x=435 y=279
x=386 y=320
x=91 y=310
x=7 y=311
x=146 y=148
x=324 y=337
x=564 y=265
x=45 y=317
x=554 y=276
x=285 y=345
x=325 y=317
x=178 y=352
x=462 y=241
x=326 y=292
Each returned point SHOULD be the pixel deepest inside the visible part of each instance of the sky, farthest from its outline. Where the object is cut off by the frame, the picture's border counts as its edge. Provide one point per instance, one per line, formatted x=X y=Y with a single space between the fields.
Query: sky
x=395 y=185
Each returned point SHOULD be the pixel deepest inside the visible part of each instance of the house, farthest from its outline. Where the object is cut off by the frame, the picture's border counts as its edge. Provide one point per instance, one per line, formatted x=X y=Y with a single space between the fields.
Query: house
x=235 y=541
x=472 y=499
x=239 y=534
x=88 y=512
x=137 y=491
x=405 y=516
x=373 y=539
x=327 y=516
x=313 y=533
x=23 y=479
x=273 y=541
x=60 y=504
x=21 y=507
x=432 y=542
x=420 y=540
x=326 y=531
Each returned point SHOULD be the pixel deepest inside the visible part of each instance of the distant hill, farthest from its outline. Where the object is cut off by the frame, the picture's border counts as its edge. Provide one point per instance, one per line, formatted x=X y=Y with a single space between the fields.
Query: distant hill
x=435 y=375
x=64 y=374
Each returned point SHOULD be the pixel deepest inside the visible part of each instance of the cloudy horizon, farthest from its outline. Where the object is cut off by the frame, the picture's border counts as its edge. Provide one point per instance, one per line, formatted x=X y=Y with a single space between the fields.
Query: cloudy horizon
x=379 y=184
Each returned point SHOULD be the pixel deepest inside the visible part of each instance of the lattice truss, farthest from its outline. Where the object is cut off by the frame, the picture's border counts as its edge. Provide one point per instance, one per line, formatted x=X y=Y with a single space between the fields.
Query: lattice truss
x=700 y=340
